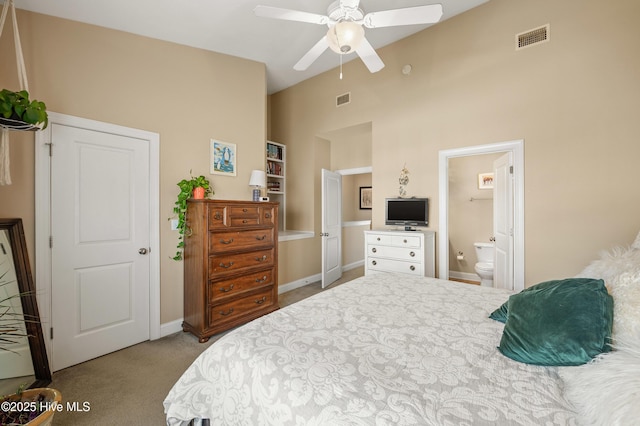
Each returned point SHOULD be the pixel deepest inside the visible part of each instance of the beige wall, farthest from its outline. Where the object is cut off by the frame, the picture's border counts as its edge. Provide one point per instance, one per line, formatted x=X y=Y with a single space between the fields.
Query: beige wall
x=574 y=100
x=186 y=95
x=469 y=221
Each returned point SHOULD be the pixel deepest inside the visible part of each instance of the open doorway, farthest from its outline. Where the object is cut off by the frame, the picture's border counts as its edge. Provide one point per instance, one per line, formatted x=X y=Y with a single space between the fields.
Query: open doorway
x=516 y=148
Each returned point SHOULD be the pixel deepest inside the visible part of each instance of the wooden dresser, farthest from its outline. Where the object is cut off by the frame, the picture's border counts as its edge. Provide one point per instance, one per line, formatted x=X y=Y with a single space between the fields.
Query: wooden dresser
x=230 y=264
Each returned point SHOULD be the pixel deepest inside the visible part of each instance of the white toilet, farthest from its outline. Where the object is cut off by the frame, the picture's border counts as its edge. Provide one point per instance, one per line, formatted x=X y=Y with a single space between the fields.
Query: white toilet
x=484 y=267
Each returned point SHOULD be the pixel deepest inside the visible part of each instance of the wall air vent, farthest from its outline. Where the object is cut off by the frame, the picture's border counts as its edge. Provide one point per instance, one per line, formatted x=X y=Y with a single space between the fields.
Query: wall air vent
x=343 y=99
x=533 y=37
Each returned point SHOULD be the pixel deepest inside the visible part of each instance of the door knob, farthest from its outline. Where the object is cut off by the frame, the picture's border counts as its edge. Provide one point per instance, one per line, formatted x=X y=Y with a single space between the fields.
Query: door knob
x=143 y=251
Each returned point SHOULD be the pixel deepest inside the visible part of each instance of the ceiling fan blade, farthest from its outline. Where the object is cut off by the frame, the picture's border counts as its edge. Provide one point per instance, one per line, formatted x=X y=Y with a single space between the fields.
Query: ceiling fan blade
x=409 y=16
x=369 y=56
x=290 y=15
x=313 y=54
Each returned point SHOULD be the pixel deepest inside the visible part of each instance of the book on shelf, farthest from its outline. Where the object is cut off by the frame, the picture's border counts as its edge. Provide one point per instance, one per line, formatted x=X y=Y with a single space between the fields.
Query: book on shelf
x=274 y=152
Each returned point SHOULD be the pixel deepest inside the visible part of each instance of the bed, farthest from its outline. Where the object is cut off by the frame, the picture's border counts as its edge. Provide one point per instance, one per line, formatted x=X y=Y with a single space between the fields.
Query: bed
x=383 y=349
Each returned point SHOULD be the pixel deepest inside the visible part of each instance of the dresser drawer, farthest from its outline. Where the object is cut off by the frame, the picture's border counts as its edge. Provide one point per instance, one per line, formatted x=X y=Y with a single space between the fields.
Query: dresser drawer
x=239 y=307
x=394 y=240
x=401 y=253
x=232 y=262
x=244 y=215
x=230 y=288
x=390 y=265
x=230 y=241
x=218 y=217
x=267 y=216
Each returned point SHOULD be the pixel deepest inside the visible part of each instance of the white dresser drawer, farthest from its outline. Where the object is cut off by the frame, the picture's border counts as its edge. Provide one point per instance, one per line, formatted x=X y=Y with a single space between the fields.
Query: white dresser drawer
x=401 y=253
x=392 y=265
x=394 y=240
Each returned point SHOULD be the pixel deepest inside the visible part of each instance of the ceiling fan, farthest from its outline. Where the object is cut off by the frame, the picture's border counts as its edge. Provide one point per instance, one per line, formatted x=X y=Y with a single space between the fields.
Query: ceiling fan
x=346 y=20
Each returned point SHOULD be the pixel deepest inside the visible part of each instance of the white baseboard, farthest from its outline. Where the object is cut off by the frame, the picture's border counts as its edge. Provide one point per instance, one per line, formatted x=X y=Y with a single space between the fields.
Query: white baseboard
x=175 y=326
x=464 y=276
x=170 y=327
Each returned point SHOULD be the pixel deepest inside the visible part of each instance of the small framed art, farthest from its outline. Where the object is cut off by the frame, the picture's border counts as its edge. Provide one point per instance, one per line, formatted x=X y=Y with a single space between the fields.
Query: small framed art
x=485 y=180
x=366 y=198
x=223 y=158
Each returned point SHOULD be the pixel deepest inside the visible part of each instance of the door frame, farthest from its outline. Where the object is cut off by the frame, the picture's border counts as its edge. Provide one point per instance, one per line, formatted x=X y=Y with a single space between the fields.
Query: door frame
x=516 y=147
x=43 y=214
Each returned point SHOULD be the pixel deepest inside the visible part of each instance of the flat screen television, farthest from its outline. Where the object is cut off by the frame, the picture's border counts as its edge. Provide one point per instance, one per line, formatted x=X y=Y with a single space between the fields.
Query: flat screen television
x=407 y=212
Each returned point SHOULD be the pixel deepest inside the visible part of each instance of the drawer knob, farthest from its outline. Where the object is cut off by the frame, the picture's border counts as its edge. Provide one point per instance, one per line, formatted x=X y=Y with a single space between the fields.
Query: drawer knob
x=261 y=238
x=244 y=210
x=378 y=238
x=229 y=241
x=261 y=280
x=374 y=263
x=267 y=215
x=261 y=259
x=245 y=221
x=227 y=266
x=217 y=216
x=226 y=290
x=374 y=250
x=413 y=268
x=262 y=300
x=404 y=241
x=223 y=313
x=412 y=254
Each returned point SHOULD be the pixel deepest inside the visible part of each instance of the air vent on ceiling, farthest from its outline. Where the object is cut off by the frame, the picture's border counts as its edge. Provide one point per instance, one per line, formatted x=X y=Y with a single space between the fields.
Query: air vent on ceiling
x=532 y=37
x=343 y=99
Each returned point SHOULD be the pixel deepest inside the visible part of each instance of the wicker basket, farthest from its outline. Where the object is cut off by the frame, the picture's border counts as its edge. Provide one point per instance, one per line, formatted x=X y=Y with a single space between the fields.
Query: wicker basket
x=51 y=396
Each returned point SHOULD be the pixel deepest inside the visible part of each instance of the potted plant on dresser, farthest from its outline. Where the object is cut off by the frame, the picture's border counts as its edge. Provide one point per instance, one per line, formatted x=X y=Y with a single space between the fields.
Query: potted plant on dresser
x=195 y=187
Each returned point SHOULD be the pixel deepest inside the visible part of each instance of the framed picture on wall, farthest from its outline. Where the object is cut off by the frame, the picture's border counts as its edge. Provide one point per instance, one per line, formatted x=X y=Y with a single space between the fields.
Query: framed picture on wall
x=223 y=158
x=485 y=180
x=366 y=198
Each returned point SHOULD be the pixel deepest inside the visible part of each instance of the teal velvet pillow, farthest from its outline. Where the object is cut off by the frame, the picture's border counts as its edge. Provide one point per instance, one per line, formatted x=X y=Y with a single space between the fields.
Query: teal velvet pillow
x=502 y=313
x=563 y=322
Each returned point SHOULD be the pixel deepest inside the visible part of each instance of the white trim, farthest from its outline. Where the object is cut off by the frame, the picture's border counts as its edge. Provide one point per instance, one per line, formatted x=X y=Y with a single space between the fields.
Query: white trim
x=294 y=235
x=43 y=214
x=355 y=171
x=464 y=276
x=517 y=148
x=171 y=327
x=314 y=278
x=356 y=223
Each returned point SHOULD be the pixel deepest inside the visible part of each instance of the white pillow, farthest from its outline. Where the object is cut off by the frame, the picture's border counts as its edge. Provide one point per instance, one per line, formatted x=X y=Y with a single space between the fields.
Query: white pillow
x=636 y=243
x=606 y=392
x=625 y=289
x=611 y=264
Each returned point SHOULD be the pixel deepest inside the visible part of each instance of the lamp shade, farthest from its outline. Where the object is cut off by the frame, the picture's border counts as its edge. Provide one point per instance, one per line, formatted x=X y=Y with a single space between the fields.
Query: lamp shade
x=258 y=178
x=345 y=37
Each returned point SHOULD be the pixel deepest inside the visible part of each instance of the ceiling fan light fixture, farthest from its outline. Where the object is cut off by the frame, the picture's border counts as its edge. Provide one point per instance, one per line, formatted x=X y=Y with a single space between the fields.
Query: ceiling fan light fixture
x=345 y=37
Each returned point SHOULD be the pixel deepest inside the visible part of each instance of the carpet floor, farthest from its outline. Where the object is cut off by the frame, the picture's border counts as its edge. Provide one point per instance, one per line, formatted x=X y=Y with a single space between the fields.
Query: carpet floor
x=128 y=387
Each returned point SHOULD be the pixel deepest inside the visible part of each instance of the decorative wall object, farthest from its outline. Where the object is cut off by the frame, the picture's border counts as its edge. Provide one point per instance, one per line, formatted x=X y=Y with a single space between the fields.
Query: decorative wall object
x=403 y=180
x=485 y=180
x=223 y=160
x=366 y=198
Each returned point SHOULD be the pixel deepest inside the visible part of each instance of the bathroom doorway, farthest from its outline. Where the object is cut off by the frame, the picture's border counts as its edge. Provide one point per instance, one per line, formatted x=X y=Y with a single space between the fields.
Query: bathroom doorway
x=448 y=158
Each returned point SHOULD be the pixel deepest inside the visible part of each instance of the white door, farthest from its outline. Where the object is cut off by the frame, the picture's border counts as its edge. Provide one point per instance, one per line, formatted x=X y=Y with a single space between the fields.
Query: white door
x=331 y=227
x=100 y=239
x=503 y=221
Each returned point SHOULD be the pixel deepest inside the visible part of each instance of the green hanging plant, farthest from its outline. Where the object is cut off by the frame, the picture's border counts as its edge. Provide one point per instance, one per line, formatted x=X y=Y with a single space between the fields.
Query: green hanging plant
x=186 y=191
x=17 y=106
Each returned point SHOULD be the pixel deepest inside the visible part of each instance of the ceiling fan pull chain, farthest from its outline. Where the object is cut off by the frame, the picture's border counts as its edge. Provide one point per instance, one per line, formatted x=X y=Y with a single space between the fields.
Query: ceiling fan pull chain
x=340 y=67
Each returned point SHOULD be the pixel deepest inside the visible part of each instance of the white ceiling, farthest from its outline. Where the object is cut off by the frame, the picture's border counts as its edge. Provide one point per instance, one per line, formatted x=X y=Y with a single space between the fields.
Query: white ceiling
x=230 y=27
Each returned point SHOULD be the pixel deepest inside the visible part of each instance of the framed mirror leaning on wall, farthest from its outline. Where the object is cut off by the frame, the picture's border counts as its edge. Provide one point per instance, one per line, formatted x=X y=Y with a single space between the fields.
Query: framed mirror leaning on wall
x=23 y=356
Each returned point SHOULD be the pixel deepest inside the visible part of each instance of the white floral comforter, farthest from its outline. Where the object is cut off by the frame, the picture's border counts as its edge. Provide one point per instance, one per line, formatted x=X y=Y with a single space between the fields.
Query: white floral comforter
x=383 y=349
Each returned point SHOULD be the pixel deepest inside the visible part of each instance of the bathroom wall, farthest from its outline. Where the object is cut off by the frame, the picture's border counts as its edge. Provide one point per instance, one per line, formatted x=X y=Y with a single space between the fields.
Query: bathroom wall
x=469 y=221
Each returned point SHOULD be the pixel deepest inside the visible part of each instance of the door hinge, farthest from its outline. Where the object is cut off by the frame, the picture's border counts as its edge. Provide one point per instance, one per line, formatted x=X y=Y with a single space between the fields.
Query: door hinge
x=50 y=149
x=51 y=333
x=511 y=169
x=51 y=241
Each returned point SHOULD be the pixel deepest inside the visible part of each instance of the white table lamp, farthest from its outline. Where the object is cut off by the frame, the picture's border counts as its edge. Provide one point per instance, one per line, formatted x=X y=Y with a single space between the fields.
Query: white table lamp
x=258 y=180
